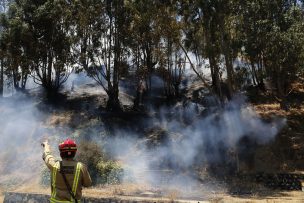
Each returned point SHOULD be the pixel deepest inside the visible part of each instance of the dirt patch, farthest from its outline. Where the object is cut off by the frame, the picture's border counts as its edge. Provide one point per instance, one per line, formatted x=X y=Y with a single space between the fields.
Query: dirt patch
x=259 y=197
x=292 y=197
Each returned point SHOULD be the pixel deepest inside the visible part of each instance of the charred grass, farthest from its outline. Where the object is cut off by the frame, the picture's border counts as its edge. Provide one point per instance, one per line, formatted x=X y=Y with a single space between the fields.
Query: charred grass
x=284 y=154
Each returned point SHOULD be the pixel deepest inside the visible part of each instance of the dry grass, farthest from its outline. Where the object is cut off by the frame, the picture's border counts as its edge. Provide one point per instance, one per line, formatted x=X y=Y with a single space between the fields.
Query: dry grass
x=115 y=192
x=137 y=191
x=286 y=152
x=273 y=109
x=299 y=85
x=122 y=189
x=267 y=110
x=57 y=119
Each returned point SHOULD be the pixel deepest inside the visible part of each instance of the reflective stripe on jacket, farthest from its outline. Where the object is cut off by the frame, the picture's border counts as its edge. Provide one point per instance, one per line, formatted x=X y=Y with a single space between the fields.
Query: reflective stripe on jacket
x=53 y=181
x=77 y=176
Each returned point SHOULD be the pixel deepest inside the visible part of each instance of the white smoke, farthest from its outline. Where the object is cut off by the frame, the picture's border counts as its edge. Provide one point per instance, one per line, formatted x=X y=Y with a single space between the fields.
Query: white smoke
x=20 y=151
x=23 y=128
x=183 y=147
x=182 y=138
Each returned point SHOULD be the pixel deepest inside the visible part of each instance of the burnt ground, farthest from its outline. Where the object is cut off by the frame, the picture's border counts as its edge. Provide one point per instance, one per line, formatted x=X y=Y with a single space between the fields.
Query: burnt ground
x=286 y=152
x=283 y=155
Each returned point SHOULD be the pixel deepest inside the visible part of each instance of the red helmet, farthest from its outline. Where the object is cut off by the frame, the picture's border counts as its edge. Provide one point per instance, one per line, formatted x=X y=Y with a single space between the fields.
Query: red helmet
x=68 y=148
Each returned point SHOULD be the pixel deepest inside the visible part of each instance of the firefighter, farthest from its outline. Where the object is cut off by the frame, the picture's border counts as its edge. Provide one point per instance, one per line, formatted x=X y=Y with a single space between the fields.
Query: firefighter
x=67 y=176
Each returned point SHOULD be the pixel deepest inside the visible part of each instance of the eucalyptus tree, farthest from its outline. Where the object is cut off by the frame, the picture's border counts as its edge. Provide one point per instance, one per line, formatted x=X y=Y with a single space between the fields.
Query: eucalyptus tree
x=15 y=45
x=171 y=57
x=255 y=24
x=41 y=46
x=218 y=20
x=3 y=9
x=273 y=42
x=229 y=20
x=283 y=56
x=144 y=40
x=2 y=55
x=50 y=29
x=204 y=35
x=102 y=32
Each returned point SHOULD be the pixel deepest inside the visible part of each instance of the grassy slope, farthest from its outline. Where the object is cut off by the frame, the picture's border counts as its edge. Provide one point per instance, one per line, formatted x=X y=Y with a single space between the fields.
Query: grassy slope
x=286 y=152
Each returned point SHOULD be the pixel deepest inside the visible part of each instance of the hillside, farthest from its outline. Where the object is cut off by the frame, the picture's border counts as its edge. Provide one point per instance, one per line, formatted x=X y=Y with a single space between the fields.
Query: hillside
x=79 y=115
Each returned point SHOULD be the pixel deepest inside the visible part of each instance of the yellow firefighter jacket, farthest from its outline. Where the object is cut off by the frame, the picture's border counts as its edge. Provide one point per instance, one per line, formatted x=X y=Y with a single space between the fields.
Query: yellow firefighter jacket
x=76 y=174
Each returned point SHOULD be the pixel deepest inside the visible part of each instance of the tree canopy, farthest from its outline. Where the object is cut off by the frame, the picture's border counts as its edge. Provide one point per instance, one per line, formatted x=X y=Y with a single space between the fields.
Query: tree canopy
x=109 y=40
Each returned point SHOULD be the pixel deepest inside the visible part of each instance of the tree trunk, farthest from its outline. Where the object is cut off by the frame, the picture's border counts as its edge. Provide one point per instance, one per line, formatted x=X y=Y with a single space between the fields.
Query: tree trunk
x=15 y=78
x=229 y=64
x=209 y=35
x=281 y=91
x=225 y=35
x=230 y=74
x=176 y=90
x=49 y=70
x=216 y=83
x=113 y=103
x=1 y=78
x=23 y=80
x=254 y=73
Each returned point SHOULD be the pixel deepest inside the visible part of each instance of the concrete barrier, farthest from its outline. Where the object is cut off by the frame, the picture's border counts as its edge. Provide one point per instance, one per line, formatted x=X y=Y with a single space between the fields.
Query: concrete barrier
x=13 y=197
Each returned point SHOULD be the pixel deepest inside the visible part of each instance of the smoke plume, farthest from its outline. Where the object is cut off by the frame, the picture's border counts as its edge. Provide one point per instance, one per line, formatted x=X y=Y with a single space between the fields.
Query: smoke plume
x=179 y=140
x=184 y=138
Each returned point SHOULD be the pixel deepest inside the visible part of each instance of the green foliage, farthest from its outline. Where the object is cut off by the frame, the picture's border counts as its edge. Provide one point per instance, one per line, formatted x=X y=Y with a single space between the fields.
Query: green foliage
x=110 y=172
x=48 y=39
x=273 y=38
x=36 y=41
x=102 y=170
x=90 y=154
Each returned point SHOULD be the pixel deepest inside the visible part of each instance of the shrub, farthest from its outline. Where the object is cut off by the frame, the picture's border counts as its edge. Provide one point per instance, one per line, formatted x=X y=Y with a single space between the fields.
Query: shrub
x=102 y=171
x=110 y=172
x=90 y=154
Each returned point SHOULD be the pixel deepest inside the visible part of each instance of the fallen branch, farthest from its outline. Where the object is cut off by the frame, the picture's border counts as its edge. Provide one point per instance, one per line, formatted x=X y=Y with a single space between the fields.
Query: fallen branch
x=193 y=68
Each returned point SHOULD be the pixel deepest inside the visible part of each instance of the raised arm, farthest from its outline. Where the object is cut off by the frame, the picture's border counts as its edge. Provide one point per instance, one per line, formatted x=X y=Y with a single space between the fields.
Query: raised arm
x=47 y=155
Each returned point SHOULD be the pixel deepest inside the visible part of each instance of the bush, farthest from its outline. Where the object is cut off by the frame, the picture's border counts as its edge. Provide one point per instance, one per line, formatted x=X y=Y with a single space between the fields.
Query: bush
x=102 y=171
x=110 y=172
x=90 y=154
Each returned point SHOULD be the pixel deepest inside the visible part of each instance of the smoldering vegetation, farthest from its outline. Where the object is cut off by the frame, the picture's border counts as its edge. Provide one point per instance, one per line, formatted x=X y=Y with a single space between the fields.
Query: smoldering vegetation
x=183 y=141
x=169 y=147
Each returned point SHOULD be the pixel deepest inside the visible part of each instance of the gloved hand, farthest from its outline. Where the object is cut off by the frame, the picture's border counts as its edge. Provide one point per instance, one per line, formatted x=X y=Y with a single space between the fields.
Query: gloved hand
x=46 y=148
x=45 y=143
